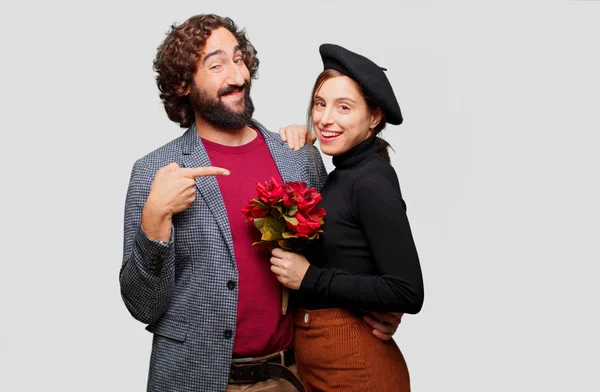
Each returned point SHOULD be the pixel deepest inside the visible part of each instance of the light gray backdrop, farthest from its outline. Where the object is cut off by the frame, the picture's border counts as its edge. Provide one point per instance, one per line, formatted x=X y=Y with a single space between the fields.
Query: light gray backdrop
x=497 y=158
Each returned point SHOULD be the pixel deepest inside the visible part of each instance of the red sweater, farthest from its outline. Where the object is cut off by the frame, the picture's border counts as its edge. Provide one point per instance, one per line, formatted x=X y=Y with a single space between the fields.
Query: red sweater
x=261 y=328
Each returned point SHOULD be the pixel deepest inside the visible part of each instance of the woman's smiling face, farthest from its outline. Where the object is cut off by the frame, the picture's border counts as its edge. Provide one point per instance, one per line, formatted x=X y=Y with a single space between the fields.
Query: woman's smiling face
x=340 y=116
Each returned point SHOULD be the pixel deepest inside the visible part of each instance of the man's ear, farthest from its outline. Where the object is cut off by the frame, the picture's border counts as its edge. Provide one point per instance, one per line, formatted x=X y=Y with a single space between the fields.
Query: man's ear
x=183 y=89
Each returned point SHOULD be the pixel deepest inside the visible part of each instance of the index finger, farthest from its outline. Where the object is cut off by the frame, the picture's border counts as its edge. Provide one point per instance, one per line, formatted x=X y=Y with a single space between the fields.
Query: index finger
x=192 y=172
x=278 y=252
x=282 y=134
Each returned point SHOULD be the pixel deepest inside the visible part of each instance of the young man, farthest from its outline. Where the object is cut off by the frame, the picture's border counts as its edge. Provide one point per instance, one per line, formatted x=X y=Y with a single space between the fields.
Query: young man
x=189 y=270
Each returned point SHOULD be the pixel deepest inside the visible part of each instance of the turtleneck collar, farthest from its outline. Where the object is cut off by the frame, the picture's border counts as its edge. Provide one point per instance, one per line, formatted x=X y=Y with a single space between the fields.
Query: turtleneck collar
x=357 y=154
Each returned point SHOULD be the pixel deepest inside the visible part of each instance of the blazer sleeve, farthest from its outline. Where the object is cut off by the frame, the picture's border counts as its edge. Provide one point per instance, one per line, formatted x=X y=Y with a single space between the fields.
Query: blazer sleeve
x=378 y=203
x=315 y=170
x=147 y=276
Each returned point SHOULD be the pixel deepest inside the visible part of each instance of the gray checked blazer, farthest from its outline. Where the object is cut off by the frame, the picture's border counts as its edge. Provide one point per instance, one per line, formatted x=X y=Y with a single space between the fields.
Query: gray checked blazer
x=180 y=288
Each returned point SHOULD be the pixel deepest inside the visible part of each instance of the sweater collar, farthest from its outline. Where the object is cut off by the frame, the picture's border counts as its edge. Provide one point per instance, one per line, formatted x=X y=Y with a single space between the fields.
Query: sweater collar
x=357 y=155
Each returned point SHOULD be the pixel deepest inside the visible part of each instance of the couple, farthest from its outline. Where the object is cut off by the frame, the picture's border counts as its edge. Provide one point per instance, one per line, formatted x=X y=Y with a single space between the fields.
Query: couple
x=211 y=299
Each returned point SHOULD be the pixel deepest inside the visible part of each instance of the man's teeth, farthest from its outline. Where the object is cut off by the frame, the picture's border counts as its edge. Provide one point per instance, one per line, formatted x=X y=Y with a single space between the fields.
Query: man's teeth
x=331 y=134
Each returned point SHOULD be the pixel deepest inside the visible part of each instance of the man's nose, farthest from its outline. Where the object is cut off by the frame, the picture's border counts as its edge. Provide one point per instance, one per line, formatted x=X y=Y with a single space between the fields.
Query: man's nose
x=236 y=77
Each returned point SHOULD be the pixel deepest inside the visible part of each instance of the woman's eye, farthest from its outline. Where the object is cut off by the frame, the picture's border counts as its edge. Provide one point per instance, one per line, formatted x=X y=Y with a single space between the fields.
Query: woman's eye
x=344 y=107
x=215 y=66
x=319 y=104
x=238 y=60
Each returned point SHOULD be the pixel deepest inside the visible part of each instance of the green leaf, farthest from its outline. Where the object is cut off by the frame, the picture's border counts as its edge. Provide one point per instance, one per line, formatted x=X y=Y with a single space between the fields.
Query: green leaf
x=267 y=244
x=288 y=234
x=258 y=222
x=259 y=203
x=290 y=219
x=293 y=244
x=270 y=227
x=285 y=244
x=292 y=210
x=316 y=235
x=276 y=212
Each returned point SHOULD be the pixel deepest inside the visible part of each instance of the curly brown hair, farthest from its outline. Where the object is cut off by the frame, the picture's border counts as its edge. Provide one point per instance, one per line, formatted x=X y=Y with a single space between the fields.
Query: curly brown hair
x=177 y=58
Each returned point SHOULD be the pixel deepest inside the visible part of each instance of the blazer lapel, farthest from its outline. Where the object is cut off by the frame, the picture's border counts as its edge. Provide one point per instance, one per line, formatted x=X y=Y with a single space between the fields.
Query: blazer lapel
x=194 y=155
x=283 y=156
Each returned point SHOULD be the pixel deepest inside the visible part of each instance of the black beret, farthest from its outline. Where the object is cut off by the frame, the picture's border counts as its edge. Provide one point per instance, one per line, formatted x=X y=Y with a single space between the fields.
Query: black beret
x=367 y=74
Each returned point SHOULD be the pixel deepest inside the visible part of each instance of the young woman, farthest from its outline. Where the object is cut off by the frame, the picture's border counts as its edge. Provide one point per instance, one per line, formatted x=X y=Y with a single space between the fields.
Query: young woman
x=366 y=259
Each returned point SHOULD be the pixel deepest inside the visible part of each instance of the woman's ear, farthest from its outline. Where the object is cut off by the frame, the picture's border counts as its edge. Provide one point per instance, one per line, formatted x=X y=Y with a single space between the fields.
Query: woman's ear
x=376 y=118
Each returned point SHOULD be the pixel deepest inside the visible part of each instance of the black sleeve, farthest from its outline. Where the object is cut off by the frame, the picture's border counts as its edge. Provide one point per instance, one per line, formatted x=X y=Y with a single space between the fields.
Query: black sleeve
x=382 y=213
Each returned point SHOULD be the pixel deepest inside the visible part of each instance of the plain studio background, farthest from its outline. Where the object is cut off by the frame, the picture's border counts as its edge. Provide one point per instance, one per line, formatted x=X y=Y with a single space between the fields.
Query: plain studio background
x=497 y=159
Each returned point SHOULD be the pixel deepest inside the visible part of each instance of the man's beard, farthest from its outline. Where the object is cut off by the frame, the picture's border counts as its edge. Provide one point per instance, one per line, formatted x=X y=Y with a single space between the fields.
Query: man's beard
x=217 y=113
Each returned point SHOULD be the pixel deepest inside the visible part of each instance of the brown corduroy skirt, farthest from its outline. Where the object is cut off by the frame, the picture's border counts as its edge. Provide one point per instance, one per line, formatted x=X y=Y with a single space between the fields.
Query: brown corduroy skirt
x=336 y=351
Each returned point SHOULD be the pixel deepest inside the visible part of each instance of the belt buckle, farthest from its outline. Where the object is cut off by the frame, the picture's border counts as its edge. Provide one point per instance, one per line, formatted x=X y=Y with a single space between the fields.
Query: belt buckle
x=261 y=369
x=264 y=370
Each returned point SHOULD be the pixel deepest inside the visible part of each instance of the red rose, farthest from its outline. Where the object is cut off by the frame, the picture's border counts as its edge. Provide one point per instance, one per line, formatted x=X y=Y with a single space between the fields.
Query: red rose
x=291 y=190
x=270 y=192
x=308 y=200
x=319 y=212
x=307 y=225
x=253 y=211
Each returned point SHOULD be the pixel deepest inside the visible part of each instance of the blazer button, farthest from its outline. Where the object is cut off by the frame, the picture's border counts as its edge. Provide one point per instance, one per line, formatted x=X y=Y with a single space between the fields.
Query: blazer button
x=231 y=285
x=227 y=334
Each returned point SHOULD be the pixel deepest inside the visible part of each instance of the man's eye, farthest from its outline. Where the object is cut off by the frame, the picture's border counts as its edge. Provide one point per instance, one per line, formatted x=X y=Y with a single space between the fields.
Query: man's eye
x=215 y=66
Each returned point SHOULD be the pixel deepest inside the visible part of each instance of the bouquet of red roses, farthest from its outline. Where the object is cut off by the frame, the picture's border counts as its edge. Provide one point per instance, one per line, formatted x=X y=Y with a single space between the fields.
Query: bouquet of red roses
x=288 y=216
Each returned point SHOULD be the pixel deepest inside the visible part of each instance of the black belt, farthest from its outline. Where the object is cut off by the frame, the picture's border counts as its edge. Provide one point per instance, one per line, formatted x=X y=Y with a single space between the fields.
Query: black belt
x=250 y=370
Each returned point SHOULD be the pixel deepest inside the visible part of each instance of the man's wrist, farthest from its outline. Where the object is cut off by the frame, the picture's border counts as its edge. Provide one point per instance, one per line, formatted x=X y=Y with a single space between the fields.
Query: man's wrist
x=156 y=223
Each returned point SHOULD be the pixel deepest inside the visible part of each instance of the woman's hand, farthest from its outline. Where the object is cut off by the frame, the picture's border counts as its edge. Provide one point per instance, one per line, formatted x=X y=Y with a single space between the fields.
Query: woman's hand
x=296 y=136
x=289 y=267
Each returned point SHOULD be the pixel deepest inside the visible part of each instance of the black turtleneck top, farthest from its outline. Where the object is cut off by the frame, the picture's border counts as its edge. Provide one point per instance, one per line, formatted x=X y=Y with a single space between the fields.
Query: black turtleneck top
x=366 y=258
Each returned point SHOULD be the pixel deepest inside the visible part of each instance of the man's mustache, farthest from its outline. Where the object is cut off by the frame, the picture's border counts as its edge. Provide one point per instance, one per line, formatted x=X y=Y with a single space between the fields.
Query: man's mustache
x=232 y=89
